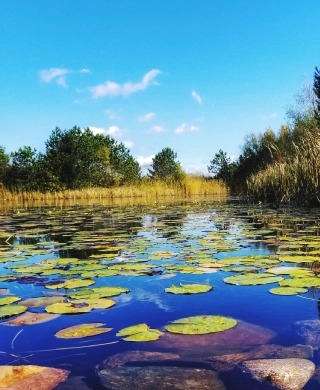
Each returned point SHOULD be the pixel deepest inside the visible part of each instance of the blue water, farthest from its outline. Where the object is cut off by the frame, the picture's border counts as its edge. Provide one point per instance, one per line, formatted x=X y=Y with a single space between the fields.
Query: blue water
x=147 y=301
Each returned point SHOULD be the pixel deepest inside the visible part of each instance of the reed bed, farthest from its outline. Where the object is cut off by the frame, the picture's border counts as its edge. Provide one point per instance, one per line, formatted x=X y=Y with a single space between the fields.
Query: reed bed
x=146 y=188
x=292 y=178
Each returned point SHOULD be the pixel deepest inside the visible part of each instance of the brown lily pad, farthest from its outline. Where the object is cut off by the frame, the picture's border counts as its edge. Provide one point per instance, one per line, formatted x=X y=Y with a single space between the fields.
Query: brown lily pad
x=30 y=377
x=41 y=301
x=29 y=318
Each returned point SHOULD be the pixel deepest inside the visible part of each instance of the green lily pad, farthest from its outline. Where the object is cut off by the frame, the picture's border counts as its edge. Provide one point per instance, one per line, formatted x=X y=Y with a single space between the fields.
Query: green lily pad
x=147 y=335
x=82 y=330
x=67 y=308
x=201 y=324
x=9 y=299
x=11 y=310
x=288 y=290
x=252 y=279
x=132 y=330
x=189 y=289
x=72 y=283
x=95 y=303
x=301 y=282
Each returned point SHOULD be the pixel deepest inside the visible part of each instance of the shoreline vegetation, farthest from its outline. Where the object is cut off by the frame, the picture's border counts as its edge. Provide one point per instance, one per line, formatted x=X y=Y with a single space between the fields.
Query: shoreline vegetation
x=189 y=186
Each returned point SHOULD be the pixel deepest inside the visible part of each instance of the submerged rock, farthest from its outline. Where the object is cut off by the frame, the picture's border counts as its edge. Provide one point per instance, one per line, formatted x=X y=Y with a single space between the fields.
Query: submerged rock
x=121 y=359
x=309 y=331
x=155 y=378
x=242 y=336
x=30 y=377
x=73 y=383
x=282 y=374
x=224 y=363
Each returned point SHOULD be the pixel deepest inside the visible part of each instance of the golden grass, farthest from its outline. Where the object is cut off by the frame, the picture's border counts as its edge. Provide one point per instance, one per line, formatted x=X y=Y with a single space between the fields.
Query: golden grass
x=146 y=188
x=294 y=178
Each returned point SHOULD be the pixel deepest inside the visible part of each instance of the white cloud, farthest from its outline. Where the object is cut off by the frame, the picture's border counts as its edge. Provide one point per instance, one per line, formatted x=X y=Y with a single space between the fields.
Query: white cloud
x=274 y=115
x=114 y=131
x=146 y=117
x=57 y=74
x=97 y=130
x=156 y=130
x=196 y=97
x=181 y=129
x=186 y=129
x=84 y=70
x=128 y=144
x=145 y=161
x=110 y=88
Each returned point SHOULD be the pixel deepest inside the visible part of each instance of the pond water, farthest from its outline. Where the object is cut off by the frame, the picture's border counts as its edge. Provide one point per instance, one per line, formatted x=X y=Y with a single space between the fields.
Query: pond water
x=147 y=249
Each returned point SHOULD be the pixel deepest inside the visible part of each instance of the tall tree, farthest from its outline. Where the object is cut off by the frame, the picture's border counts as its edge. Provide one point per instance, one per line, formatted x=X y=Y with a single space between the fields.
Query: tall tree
x=222 y=167
x=165 y=167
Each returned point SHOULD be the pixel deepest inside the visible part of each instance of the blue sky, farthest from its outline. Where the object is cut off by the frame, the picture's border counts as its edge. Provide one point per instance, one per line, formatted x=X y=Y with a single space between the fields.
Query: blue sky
x=195 y=76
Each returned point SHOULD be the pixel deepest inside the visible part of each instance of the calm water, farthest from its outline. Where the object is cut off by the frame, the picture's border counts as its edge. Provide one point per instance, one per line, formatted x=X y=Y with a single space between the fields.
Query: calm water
x=184 y=234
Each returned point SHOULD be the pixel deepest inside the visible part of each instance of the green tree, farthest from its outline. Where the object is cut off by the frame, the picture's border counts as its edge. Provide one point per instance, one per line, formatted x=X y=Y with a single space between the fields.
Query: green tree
x=222 y=168
x=77 y=158
x=165 y=167
x=21 y=174
x=4 y=164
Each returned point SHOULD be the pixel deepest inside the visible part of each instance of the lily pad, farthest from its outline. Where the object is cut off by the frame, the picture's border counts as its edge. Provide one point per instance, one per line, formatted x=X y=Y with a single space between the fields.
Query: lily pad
x=201 y=324
x=82 y=330
x=29 y=318
x=67 y=308
x=189 y=289
x=252 y=279
x=133 y=330
x=11 y=310
x=288 y=290
x=72 y=283
x=147 y=335
x=301 y=282
x=9 y=299
x=41 y=301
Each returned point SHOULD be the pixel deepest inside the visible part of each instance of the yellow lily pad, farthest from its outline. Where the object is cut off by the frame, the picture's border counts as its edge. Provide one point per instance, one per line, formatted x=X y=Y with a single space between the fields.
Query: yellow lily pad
x=9 y=299
x=201 y=325
x=11 y=310
x=82 y=330
x=288 y=290
x=189 y=289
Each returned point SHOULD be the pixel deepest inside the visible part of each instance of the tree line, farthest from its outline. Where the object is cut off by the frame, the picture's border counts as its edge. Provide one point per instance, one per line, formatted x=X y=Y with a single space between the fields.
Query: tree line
x=76 y=159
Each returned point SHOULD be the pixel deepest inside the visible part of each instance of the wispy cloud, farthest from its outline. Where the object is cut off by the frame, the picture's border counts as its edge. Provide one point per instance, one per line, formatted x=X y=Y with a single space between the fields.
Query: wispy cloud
x=196 y=97
x=85 y=70
x=145 y=161
x=156 y=130
x=110 y=88
x=56 y=74
x=183 y=128
x=146 y=117
x=265 y=117
x=113 y=115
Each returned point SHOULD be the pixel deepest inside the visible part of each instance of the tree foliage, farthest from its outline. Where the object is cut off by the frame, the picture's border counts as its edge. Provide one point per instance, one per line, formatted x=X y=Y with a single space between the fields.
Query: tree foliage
x=165 y=167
